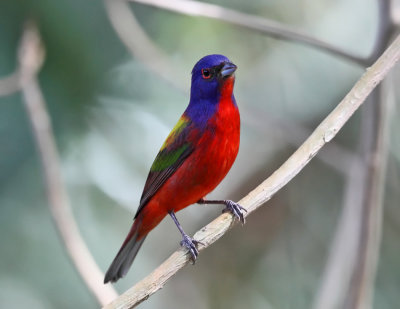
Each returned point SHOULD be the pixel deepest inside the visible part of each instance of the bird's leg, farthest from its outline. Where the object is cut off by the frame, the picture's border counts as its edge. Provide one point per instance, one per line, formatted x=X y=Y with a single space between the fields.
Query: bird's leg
x=187 y=241
x=231 y=206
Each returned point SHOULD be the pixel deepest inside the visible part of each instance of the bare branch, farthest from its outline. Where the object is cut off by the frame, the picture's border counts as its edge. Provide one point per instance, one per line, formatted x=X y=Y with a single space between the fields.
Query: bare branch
x=31 y=56
x=324 y=133
x=263 y=25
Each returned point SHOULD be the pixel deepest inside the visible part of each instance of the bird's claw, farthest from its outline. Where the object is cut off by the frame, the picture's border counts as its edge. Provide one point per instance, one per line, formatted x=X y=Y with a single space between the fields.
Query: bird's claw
x=191 y=244
x=236 y=210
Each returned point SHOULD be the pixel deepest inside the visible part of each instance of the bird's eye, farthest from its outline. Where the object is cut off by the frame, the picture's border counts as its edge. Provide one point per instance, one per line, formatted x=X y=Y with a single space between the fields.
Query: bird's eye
x=206 y=73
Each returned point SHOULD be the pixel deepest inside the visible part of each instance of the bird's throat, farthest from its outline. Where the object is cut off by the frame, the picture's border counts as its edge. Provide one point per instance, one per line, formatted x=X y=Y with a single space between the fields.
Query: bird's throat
x=227 y=88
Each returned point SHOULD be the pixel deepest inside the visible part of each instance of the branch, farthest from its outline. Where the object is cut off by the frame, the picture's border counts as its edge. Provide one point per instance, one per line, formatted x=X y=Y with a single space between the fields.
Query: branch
x=252 y=22
x=324 y=133
x=31 y=56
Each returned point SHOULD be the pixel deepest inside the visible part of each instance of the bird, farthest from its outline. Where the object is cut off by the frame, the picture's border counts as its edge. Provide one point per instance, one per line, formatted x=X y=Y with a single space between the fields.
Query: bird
x=194 y=159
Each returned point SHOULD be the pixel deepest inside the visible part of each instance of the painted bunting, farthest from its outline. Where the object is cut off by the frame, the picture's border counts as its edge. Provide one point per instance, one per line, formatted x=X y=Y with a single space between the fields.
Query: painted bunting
x=193 y=160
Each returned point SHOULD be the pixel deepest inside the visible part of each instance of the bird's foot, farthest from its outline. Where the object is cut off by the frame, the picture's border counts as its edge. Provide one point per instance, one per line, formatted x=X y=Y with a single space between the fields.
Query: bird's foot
x=236 y=210
x=190 y=244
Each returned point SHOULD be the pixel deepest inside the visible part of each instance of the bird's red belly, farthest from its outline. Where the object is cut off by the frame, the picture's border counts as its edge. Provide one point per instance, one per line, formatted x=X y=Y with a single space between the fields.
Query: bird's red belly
x=200 y=173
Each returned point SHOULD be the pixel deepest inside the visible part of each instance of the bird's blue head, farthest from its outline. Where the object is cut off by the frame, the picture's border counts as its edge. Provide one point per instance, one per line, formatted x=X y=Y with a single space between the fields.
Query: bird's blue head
x=210 y=75
x=212 y=80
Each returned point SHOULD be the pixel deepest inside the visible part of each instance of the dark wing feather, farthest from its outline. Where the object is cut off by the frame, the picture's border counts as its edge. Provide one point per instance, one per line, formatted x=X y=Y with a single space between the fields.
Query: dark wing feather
x=173 y=153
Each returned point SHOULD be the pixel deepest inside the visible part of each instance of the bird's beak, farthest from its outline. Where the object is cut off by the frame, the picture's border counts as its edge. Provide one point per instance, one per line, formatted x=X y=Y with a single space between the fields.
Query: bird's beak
x=228 y=69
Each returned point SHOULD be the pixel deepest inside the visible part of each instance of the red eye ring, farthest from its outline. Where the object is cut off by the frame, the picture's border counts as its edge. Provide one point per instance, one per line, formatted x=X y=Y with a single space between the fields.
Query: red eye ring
x=206 y=73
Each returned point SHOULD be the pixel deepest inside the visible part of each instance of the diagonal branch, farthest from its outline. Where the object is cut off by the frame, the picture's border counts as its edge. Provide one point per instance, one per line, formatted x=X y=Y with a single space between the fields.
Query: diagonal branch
x=266 y=26
x=31 y=56
x=323 y=134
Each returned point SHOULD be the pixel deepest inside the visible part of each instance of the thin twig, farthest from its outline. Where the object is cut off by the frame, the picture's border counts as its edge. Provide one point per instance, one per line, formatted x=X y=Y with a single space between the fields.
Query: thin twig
x=252 y=22
x=322 y=135
x=31 y=56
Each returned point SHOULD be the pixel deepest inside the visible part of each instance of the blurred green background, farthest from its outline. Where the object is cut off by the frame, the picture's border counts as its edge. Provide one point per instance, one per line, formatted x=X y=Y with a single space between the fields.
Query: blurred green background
x=111 y=113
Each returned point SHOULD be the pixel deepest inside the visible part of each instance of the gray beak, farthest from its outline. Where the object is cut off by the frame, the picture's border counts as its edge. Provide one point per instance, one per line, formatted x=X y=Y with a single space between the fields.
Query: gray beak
x=228 y=69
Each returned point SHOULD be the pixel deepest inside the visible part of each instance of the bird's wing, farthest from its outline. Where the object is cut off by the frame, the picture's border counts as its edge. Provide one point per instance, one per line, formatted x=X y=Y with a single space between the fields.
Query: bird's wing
x=172 y=154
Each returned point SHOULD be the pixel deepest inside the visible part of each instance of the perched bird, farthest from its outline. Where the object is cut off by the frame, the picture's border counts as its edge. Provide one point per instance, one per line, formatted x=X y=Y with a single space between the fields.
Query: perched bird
x=193 y=160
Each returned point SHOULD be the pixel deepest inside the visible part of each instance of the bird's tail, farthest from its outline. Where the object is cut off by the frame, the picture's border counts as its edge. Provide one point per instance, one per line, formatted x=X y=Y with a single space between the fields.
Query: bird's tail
x=124 y=259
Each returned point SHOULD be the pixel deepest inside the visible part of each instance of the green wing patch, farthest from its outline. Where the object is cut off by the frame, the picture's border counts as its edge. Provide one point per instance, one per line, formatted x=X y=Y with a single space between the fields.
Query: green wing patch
x=166 y=159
